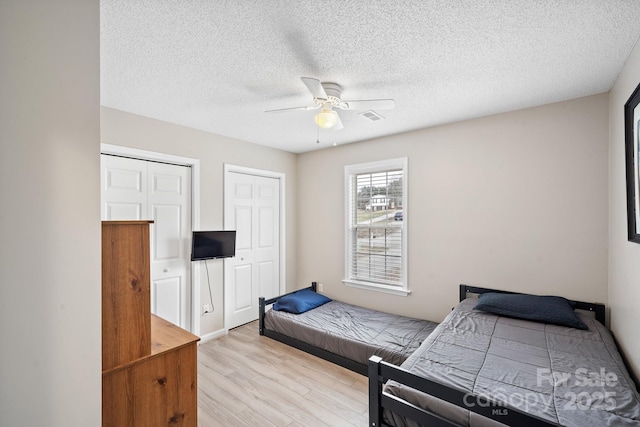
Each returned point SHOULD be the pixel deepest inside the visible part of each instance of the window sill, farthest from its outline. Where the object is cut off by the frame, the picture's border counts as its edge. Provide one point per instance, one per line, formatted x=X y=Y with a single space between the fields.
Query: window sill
x=394 y=290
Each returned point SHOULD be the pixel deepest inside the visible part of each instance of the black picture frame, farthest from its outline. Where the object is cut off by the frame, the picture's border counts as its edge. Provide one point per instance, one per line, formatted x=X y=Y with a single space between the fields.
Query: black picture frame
x=632 y=157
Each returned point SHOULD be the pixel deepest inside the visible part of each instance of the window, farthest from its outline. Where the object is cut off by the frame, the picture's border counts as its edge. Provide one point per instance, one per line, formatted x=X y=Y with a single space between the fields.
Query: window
x=376 y=222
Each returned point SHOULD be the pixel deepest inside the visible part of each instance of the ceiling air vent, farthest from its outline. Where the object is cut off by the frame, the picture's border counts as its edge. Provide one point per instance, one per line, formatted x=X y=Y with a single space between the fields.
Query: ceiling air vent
x=371 y=115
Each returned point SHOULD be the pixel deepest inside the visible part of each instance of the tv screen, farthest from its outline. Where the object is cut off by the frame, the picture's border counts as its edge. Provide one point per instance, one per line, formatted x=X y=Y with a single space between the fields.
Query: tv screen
x=213 y=244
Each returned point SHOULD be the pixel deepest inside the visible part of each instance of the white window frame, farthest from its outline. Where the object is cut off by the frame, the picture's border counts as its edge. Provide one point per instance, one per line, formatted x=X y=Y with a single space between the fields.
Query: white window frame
x=380 y=166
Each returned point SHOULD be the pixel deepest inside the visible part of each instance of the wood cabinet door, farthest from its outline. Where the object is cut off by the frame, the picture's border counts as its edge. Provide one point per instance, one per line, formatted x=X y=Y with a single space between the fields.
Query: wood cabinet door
x=126 y=324
x=161 y=391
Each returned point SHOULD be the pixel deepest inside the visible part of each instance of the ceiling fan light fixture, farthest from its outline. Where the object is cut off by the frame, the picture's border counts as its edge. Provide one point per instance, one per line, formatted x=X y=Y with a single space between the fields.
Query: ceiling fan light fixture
x=326 y=118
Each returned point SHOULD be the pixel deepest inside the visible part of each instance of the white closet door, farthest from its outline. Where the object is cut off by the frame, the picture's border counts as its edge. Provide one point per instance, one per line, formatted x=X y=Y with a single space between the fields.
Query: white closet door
x=252 y=208
x=139 y=189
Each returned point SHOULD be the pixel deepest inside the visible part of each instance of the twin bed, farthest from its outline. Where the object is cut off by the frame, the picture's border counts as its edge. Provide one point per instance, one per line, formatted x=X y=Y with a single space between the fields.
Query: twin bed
x=476 y=368
x=345 y=334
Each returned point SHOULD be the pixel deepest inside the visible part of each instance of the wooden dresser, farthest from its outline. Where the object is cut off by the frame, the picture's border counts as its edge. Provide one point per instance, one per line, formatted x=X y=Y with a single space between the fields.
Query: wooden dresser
x=149 y=366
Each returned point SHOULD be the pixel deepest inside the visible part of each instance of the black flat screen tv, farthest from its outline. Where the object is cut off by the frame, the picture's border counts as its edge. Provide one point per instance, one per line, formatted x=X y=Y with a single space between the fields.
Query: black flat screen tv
x=213 y=244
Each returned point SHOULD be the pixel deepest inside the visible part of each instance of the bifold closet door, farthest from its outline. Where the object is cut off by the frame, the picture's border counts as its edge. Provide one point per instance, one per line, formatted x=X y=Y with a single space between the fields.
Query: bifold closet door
x=252 y=208
x=134 y=189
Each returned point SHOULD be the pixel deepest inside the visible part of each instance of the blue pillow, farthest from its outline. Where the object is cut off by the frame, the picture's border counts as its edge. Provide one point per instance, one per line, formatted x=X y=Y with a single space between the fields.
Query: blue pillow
x=301 y=301
x=545 y=309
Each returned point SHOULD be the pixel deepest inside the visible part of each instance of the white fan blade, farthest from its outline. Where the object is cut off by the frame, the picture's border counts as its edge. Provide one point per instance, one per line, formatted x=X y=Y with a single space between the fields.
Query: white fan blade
x=371 y=104
x=280 y=110
x=315 y=87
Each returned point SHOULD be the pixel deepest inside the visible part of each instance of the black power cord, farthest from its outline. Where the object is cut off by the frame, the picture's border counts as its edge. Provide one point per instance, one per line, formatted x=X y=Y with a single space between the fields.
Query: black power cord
x=209 y=285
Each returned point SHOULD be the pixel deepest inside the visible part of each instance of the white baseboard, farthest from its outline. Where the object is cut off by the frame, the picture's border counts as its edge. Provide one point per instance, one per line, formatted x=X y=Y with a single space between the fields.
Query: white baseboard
x=213 y=335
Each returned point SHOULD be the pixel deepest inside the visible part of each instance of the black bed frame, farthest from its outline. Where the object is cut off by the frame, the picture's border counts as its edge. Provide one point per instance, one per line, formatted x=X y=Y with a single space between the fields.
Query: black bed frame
x=300 y=345
x=380 y=372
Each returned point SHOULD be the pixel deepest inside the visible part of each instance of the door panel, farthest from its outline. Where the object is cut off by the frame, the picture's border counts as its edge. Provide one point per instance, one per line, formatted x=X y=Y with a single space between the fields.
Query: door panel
x=170 y=209
x=243 y=225
x=243 y=283
x=124 y=188
x=240 y=305
x=170 y=184
x=243 y=190
x=266 y=237
x=252 y=208
x=166 y=298
x=268 y=246
x=123 y=210
x=168 y=219
x=266 y=190
x=124 y=179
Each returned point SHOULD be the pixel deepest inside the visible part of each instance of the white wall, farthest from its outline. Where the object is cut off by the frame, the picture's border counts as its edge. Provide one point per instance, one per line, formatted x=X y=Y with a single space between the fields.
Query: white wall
x=213 y=151
x=624 y=257
x=50 y=321
x=514 y=201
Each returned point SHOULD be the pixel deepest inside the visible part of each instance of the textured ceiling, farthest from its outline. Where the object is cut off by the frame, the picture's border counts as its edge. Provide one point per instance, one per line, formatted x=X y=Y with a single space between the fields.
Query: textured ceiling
x=218 y=65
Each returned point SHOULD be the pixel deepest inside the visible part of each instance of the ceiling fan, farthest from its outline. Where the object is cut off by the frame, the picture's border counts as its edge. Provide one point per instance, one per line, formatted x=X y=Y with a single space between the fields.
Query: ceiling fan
x=326 y=96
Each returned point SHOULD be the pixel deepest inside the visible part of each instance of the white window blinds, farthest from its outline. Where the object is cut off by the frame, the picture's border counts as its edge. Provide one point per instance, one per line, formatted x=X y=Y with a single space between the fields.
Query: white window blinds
x=376 y=224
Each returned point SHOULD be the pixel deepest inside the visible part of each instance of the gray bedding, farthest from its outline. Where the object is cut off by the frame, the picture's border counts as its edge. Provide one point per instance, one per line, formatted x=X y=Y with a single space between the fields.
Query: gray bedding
x=354 y=332
x=515 y=361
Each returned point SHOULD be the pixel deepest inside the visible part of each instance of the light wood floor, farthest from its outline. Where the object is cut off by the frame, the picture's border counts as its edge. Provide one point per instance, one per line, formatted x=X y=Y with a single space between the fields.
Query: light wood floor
x=248 y=380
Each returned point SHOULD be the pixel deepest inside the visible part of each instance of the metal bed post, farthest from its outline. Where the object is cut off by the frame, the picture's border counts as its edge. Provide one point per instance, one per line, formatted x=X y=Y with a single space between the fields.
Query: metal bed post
x=261 y=315
x=375 y=390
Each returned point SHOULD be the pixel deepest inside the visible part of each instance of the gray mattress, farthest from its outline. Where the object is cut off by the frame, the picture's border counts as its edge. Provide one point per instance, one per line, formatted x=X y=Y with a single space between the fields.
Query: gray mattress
x=513 y=360
x=354 y=332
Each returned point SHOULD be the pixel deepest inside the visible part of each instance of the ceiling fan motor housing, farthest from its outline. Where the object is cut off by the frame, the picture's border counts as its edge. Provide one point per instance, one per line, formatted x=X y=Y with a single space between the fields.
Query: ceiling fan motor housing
x=333 y=91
